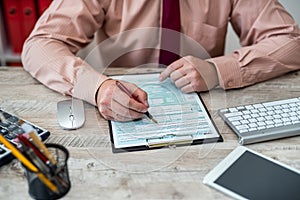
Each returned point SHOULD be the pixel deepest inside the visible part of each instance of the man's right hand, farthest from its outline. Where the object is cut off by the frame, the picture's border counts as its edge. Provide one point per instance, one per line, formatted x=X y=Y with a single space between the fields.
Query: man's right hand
x=115 y=104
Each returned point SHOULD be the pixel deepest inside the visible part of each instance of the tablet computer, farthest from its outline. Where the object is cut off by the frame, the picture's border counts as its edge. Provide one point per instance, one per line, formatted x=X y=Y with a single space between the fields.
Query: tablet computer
x=246 y=174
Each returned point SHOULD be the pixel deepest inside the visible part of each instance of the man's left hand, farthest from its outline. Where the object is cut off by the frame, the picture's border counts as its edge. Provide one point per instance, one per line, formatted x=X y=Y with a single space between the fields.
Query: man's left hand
x=191 y=74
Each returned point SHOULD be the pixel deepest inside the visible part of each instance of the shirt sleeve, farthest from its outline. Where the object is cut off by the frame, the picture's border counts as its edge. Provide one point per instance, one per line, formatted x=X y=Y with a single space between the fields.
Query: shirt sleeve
x=270 y=41
x=49 y=54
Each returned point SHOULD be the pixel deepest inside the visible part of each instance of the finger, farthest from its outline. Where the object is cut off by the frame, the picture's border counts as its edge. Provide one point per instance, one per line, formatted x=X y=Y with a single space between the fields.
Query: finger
x=195 y=86
x=181 y=82
x=187 y=88
x=171 y=68
x=121 y=118
x=117 y=117
x=119 y=113
x=135 y=100
x=142 y=97
x=125 y=112
x=129 y=117
x=178 y=74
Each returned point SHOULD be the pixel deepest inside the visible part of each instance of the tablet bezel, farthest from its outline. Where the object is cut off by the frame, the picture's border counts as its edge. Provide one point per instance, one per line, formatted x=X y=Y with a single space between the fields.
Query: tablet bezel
x=229 y=160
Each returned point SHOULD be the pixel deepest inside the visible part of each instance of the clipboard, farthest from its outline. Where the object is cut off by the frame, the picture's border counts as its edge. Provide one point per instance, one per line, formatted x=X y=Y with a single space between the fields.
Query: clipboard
x=183 y=119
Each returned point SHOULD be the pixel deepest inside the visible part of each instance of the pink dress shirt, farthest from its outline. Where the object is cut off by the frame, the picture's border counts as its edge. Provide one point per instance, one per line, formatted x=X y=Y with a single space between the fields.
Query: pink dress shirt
x=269 y=37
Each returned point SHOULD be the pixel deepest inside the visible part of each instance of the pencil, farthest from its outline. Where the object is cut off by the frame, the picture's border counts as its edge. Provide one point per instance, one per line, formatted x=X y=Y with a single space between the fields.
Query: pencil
x=42 y=147
x=126 y=91
x=18 y=154
x=47 y=182
x=28 y=164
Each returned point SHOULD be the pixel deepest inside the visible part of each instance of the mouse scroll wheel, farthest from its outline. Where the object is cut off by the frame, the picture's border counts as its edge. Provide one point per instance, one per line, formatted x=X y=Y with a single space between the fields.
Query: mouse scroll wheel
x=71 y=117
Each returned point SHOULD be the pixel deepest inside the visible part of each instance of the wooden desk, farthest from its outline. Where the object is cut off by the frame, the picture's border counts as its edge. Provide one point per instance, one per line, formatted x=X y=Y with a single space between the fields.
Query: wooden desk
x=97 y=173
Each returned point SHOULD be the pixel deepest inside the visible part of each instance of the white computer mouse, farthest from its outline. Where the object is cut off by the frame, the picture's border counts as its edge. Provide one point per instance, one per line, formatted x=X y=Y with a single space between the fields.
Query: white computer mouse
x=70 y=113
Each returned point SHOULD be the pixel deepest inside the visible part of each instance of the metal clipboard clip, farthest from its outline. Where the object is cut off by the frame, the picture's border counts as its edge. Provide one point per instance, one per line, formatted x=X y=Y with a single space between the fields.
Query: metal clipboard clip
x=169 y=140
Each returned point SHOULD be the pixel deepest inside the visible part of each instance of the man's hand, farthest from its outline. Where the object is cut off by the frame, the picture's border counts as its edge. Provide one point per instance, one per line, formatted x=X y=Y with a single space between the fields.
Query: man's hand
x=114 y=104
x=191 y=74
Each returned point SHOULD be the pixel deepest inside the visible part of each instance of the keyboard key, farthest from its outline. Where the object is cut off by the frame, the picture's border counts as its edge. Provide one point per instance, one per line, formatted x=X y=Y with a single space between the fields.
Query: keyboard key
x=244 y=121
x=18 y=131
x=279 y=124
x=294 y=118
x=253 y=125
x=261 y=123
x=270 y=126
x=9 y=136
x=3 y=131
x=262 y=110
x=249 y=107
x=13 y=119
x=2 y=124
x=6 y=115
x=258 y=106
x=246 y=112
x=224 y=110
x=255 y=111
x=233 y=114
x=235 y=118
x=240 y=127
x=12 y=127
x=262 y=114
x=254 y=115
x=285 y=115
x=252 y=120
x=277 y=116
x=261 y=127
x=252 y=129
x=270 y=122
x=268 y=117
x=277 y=121
x=240 y=108
x=261 y=119
x=233 y=110
x=2 y=151
x=271 y=112
x=293 y=114
x=235 y=123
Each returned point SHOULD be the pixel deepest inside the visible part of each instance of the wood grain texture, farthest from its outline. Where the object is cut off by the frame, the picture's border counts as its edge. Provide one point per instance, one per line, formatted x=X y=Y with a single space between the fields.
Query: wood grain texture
x=168 y=173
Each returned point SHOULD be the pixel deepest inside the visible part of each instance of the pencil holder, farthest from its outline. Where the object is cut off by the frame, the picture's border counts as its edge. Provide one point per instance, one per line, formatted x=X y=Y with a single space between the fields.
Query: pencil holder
x=59 y=176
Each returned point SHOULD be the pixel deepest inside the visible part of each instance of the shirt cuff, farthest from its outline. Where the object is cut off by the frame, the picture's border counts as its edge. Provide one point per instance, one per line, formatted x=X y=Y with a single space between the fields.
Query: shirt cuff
x=228 y=70
x=87 y=84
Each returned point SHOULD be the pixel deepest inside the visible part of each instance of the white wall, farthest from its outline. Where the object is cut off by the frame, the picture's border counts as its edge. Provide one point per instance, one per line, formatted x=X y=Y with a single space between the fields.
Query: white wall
x=292 y=6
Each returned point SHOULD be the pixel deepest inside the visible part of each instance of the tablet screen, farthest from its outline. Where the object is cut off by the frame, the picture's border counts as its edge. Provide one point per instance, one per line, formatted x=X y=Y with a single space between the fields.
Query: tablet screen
x=254 y=177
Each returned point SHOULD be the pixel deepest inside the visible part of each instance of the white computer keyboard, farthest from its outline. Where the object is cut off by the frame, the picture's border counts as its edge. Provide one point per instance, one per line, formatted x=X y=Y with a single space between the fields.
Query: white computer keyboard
x=264 y=121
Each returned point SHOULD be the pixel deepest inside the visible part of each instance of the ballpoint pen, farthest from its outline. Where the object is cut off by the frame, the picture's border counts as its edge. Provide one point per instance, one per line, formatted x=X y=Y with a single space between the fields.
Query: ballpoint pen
x=125 y=90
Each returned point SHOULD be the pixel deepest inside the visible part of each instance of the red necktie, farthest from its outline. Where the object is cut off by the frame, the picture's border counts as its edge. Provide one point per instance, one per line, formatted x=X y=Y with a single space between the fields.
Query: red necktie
x=170 y=39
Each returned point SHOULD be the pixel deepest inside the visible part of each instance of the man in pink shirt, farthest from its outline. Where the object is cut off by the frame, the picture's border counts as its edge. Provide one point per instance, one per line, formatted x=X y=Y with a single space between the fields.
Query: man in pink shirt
x=269 y=37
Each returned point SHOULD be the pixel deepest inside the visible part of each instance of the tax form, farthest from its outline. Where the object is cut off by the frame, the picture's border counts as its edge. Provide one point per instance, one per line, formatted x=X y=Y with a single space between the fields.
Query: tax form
x=182 y=118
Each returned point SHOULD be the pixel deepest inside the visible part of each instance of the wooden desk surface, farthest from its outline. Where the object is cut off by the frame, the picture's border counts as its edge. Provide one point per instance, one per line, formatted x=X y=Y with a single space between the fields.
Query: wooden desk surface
x=97 y=173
